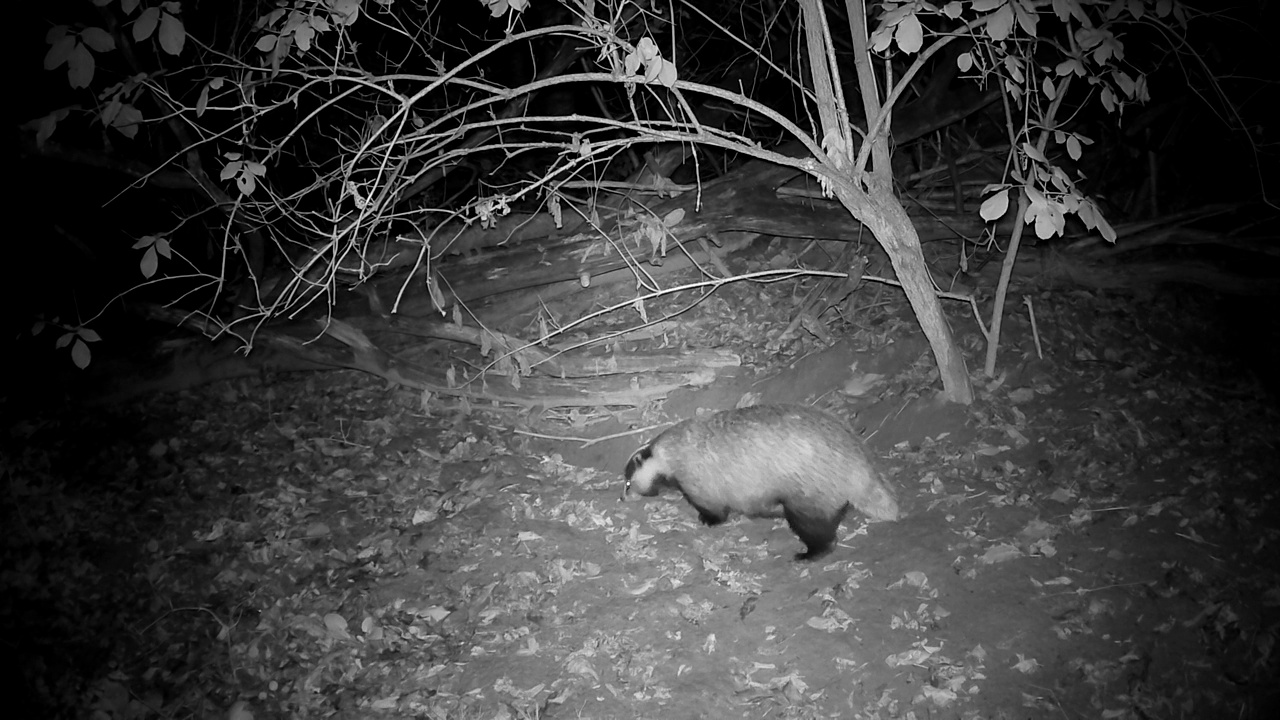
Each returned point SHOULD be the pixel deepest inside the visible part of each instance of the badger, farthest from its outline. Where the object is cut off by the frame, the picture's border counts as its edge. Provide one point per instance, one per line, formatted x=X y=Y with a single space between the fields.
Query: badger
x=766 y=461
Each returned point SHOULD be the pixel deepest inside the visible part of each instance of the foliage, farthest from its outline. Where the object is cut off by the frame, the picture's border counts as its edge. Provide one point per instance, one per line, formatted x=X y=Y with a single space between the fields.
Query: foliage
x=1033 y=52
x=333 y=126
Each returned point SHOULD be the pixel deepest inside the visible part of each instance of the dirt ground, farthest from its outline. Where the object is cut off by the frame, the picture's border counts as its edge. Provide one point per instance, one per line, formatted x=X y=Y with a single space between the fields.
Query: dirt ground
x=1095 y=537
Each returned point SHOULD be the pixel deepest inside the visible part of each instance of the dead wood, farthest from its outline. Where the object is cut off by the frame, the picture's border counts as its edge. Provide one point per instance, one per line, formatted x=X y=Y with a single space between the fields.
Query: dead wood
x=645 y=362
x=600 y=380
x=182 y=365
x=1155 y=252
x=1170 y=236
x=747 y=200
x=623 y=390
x=1046 y=267
x=556 y=363
x=524 y=354
x=738 y=209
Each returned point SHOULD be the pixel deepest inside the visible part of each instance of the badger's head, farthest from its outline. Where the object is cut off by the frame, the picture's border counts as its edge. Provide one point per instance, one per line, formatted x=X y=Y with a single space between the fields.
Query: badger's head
x=644 y=474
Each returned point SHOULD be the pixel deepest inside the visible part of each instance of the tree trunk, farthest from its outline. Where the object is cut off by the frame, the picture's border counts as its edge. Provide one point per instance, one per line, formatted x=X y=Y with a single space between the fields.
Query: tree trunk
x=868 y=195
x=884 y=215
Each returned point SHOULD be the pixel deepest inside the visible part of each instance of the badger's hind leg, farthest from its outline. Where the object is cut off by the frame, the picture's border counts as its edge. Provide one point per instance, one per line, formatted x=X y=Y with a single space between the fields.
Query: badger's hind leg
x=815 y=528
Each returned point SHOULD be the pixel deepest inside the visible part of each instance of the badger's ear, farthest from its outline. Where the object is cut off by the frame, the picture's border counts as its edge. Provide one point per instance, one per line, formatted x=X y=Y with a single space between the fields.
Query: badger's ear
x=638 y=459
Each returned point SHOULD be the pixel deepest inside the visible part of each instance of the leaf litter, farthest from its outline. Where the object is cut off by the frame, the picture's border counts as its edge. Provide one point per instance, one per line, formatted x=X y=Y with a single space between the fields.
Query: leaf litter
x=1100 y=540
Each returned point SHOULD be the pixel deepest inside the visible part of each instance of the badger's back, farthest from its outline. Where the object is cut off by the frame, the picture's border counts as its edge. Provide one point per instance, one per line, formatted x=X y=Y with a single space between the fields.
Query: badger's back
x=759 y=459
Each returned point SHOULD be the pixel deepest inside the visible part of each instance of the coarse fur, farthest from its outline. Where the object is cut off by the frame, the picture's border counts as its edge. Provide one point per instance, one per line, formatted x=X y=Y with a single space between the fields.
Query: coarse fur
x=766 y=461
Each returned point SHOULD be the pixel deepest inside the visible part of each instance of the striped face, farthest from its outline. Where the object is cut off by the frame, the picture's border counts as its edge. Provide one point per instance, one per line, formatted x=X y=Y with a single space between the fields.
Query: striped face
x=643 y=477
